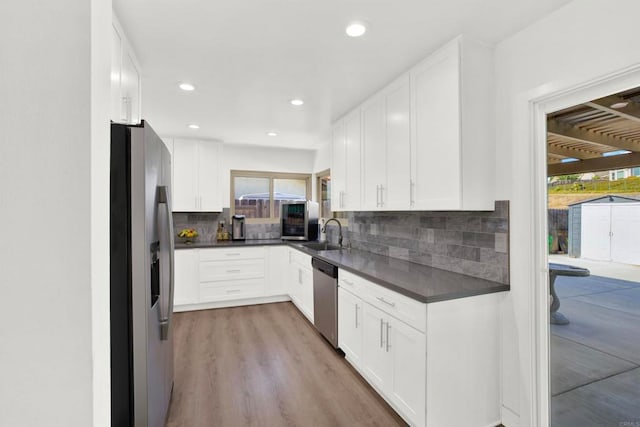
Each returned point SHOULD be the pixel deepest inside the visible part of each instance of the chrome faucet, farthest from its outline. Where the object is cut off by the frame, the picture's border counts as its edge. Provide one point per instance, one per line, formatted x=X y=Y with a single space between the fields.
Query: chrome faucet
x=324 y=229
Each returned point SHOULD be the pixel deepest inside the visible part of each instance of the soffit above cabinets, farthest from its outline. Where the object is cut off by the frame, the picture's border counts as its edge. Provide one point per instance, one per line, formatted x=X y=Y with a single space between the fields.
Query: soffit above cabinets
x=247 y=59
x=589 y=132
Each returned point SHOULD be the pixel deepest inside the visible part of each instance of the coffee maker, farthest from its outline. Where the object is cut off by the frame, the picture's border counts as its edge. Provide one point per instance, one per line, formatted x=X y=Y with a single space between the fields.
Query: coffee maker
x=237 y=227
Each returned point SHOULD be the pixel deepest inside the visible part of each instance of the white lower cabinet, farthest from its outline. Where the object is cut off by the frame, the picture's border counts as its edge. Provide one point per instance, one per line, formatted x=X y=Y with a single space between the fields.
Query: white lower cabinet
x=277 y=265
x=394 y=361
x=350 y=325
x=436 y=364
x=390 y=353
x=300 y=282
x=186 y=282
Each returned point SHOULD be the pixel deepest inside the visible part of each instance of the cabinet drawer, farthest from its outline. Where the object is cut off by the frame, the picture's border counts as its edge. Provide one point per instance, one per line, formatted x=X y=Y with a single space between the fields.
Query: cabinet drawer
x=350 y=282
x=403 y=308
x=211 y=271
x=231 y=289
x=226 y=254
x=300 y=258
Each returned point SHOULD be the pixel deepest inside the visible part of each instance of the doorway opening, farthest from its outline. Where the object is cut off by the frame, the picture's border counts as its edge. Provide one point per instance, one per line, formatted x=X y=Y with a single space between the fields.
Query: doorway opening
x=593 y=219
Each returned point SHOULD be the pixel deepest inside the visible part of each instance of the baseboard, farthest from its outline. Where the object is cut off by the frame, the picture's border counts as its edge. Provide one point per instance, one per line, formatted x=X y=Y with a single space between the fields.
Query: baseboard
x=509 y=418
x=230 y=303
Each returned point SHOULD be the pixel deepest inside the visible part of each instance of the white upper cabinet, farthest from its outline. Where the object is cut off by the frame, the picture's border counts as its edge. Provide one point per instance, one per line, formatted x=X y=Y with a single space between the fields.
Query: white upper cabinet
x=345 y=170
x=125 y=79
x=427 y=138
x=374 y=153
x=196 y=176
x=386 y=148
x=452 y=129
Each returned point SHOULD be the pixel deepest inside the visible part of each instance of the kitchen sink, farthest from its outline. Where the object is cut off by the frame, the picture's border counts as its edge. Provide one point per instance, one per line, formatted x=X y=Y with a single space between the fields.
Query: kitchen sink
x=320 y=246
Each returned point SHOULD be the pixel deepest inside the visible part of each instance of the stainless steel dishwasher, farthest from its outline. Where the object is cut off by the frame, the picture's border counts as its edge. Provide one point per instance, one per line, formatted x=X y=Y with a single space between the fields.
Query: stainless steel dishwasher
x=325 y=299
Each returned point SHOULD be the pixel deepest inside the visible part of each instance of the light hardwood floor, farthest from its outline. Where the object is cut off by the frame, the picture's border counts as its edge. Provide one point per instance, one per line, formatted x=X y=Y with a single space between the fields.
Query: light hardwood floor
x=265 y=365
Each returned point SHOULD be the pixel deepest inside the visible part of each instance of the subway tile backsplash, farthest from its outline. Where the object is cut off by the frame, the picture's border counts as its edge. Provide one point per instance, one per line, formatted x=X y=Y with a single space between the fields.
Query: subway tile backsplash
x=207 y=225
x=473 y=243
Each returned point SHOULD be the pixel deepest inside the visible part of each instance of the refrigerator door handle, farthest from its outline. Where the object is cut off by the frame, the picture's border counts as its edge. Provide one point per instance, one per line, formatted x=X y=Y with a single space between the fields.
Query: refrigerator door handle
x=165 y=312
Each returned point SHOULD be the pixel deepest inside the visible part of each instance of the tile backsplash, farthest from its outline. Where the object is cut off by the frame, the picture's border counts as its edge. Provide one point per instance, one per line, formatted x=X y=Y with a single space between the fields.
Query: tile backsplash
x=473 y=243
x=207 y=224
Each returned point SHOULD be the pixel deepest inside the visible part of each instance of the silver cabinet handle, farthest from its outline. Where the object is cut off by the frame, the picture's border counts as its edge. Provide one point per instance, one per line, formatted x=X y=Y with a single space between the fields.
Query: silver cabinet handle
x=381 y=326
x=234 y=271
x=357 y=316
x=347 y=282
x=233 y=254
x=412 y=188
x=299 y=277
x=234 y=291
x=377 y=196
x=389 y=303
x=342 y=199
x=381 y=195
x=388 y=345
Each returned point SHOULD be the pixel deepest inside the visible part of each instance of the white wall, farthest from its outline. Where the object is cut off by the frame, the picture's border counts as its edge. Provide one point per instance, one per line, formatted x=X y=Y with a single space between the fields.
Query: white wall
x=579 y=43
x=54 y=118
x=322 y=159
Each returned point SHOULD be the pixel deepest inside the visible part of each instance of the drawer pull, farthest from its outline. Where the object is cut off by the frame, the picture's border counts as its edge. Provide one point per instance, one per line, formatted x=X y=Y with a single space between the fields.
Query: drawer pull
x=233 y=254
x=389 y=303
x=347 y=282
x=234 y=271
x=234 y=291
x=388 y=345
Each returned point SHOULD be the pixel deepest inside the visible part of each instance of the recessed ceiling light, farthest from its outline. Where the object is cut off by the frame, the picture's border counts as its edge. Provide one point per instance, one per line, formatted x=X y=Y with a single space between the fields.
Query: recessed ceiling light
x=297 y=102
x=356 y=29
x=194 y=126
x=187 y=87
x=272 y=134
x=619 y=104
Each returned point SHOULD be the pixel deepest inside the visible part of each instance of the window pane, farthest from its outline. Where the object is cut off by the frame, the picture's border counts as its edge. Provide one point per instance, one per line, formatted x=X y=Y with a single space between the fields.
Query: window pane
x=325 y=197
x=288 y=190
x=252 y=197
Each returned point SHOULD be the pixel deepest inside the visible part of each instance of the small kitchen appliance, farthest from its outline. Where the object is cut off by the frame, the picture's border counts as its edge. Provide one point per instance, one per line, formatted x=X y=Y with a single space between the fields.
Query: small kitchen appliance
x=299 y=220
x=237 y=227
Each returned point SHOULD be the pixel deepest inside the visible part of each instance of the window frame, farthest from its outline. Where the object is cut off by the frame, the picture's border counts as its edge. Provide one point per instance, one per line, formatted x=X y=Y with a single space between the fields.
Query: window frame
x=234 y=173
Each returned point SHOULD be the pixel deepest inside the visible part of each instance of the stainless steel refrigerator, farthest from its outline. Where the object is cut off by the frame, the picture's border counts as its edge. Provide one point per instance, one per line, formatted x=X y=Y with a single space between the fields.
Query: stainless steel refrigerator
x=141 y=277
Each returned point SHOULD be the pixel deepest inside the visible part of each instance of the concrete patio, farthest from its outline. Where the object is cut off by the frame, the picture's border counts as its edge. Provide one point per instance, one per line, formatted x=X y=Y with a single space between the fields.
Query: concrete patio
x=595 y=359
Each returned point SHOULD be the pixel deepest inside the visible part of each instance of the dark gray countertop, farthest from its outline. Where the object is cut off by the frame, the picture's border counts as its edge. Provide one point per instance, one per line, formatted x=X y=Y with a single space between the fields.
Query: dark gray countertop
x=417 y=281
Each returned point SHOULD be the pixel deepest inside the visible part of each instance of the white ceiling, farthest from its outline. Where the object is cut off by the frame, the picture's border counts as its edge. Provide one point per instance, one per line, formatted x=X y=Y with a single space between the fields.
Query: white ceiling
x=248 y=58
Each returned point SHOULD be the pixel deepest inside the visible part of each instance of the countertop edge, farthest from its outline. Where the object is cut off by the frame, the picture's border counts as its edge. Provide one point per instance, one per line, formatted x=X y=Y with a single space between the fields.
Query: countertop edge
x=499 y=287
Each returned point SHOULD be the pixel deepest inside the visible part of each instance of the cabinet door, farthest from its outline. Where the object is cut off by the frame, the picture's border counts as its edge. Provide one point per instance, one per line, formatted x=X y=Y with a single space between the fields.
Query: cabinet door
x=352 y=142
x=295 y=285
x=277 y=267
x=376 y=360
x=396 y=195
x=185 y=175
x=436 y=132
x=338 y=165
x=186 y=290
x=407 y=348
x=350 y=326
x=374 y=153
x=116 y=70
x=208 y=177
x=307 y=292
x=130 y=89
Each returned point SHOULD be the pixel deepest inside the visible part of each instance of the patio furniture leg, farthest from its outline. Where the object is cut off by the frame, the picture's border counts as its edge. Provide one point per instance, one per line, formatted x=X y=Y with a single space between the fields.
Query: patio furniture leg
x=555 y=317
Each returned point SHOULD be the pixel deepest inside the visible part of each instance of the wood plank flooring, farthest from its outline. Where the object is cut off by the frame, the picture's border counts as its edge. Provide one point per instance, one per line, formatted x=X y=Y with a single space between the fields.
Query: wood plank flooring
x=265 y=365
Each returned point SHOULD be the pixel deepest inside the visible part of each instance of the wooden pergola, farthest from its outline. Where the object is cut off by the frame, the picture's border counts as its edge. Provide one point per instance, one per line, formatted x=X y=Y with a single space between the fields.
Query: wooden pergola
x=588 y=131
